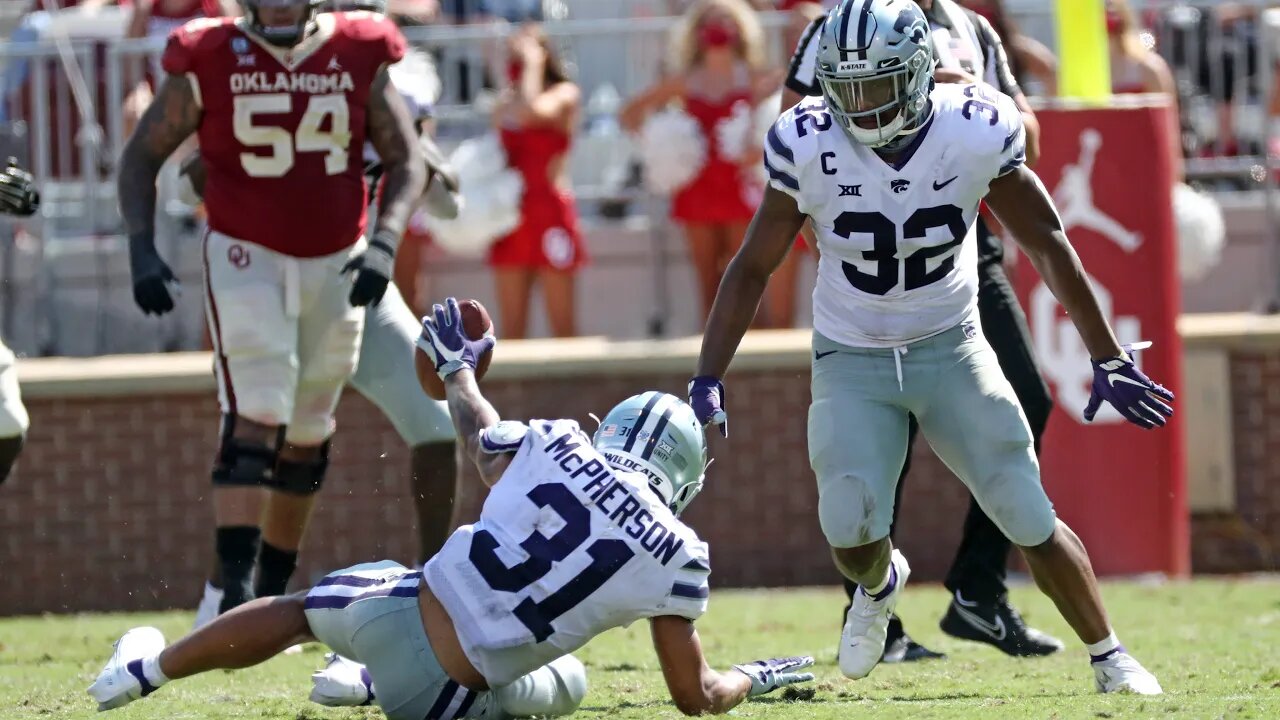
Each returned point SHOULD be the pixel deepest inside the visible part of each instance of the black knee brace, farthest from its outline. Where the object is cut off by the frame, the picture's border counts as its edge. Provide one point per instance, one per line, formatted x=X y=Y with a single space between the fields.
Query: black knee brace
x=243 y=463
x=301 y=477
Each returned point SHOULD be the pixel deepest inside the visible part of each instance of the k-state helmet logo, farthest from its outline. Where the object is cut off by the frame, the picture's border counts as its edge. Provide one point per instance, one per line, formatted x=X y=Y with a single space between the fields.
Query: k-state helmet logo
x=899 y=186
x=910 y=24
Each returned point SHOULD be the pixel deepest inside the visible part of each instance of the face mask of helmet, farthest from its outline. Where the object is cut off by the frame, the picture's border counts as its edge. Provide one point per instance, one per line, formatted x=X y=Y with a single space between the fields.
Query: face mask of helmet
x=281 y=35
x=875 y=110
x=875 y=73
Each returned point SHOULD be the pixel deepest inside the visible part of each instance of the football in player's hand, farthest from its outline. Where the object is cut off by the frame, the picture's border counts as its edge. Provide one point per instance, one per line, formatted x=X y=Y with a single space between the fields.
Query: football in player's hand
x=475 y=323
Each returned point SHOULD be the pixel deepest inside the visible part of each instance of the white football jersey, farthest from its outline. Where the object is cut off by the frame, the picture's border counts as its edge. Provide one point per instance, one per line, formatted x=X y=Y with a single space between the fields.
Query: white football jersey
x=898 y=255
x=566 y=548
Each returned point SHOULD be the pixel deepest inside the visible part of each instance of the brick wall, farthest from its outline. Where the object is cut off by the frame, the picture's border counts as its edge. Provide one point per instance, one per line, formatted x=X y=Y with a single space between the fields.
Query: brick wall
x=108 y=508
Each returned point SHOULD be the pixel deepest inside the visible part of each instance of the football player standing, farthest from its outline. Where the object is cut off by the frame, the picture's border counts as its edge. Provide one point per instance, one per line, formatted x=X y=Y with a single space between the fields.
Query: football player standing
x=890 y=168
x=282 y=101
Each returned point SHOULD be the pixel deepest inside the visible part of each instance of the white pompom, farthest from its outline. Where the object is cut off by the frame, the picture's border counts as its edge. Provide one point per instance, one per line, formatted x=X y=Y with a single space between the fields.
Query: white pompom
x=491 y=194
x=1201 y=231
x=766 y=114
x=734 y=132
x=672 y=150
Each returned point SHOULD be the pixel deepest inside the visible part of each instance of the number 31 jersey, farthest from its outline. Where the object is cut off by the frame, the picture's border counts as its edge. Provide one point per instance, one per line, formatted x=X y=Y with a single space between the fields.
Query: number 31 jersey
x=282 y=130
x=898 y=252
x=566 y=548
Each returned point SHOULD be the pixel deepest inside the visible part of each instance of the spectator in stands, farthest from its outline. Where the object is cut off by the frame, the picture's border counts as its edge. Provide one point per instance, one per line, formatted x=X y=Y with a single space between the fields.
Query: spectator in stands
x=535 y=117
x=1137 y=68
x=1029 y=59
x=31 y=29
x=716 y=64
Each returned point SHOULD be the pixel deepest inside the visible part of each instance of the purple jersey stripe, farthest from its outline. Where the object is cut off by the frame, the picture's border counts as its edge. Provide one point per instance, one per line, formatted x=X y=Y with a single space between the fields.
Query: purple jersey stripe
x=466 y=703
x=443 y=700
x=334 y=602
x=360 y=581
x=694 y=592
x=135 y=669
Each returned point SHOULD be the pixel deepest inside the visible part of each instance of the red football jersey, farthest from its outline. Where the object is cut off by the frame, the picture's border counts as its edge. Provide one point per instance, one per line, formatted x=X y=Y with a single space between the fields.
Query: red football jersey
x=282 y=130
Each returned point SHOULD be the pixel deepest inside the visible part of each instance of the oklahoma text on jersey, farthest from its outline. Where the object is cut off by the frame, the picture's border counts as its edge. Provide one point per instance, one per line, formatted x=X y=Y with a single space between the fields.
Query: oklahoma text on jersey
x=283 y=129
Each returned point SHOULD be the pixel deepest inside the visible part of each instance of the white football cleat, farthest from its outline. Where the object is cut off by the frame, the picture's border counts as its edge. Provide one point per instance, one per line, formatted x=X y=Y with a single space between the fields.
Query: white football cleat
x=866 y=625
x=1121 y=673
x=342 y=683
x=121 y=680
x=207 y=610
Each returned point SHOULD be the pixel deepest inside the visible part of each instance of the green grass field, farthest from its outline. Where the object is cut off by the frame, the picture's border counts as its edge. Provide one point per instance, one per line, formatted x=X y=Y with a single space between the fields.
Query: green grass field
x=1215 y=646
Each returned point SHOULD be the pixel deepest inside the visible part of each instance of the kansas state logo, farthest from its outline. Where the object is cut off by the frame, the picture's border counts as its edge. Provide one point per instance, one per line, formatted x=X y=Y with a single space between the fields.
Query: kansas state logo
x=899 y=186
x=911 y=24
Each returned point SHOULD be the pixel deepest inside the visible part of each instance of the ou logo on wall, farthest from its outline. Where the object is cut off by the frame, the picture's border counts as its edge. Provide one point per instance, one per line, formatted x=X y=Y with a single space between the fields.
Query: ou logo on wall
x=1062 y=354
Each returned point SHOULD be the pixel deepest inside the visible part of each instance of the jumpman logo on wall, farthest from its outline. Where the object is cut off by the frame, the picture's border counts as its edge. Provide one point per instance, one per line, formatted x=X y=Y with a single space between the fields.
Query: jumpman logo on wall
x=1074 y=197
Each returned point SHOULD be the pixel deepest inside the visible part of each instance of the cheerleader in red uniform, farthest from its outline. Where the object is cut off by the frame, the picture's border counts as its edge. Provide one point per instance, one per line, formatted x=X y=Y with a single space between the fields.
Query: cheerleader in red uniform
x=536 y=118
x=717 y=65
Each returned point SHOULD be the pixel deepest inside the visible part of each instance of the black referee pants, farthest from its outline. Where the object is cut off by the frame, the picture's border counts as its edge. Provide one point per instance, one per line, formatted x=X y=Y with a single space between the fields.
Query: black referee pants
x=979 y=569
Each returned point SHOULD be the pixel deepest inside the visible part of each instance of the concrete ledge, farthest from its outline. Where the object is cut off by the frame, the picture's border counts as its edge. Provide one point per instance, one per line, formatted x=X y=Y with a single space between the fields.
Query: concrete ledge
x=1230 y=331
x=187 y=372
x=172 y=373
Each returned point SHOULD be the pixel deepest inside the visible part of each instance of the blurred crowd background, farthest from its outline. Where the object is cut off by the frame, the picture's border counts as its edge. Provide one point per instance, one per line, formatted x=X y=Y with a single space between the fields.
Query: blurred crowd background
x=645 y=220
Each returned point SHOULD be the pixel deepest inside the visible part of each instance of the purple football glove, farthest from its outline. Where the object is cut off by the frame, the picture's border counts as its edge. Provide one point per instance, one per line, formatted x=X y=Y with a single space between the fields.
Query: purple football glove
x=444 y=339
x=706 y=395
x=1118 y=381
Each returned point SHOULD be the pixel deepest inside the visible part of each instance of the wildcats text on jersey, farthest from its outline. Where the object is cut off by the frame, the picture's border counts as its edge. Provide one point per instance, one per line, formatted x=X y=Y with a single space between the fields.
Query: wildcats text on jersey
x=314 y=83
x=603 y=487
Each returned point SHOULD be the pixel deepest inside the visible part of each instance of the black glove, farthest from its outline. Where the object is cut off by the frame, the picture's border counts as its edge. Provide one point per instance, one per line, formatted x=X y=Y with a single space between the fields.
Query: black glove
x=151 y=278
x=18 y=195
x=372 y=267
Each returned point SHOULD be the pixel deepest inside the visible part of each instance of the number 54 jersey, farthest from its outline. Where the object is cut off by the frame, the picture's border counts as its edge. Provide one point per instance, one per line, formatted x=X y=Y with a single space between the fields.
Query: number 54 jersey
x=566 y=548
x=282 y=130
x=898 y=256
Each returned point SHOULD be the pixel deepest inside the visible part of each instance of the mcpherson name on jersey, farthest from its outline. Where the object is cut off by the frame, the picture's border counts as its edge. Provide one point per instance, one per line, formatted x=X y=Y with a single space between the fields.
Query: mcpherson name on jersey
x=291 y=82
x=614 y=498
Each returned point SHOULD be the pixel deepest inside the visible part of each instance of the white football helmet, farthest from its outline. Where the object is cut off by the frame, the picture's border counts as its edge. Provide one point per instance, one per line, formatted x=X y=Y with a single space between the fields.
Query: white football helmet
x=875 y=68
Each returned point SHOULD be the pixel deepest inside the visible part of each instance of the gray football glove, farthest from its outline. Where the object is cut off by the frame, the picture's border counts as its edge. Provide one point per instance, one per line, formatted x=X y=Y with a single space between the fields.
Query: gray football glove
x=769 y=675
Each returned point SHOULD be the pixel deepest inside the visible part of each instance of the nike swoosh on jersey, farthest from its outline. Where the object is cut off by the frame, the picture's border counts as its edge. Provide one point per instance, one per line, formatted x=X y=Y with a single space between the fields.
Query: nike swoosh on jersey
x=1113 y=377
x=939 y=185
x=819 y=355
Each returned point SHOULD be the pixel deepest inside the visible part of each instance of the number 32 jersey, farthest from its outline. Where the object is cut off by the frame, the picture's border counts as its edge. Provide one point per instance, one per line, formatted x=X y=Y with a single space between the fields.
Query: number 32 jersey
x=566 y=548
x=282 y=130
x=898 y=251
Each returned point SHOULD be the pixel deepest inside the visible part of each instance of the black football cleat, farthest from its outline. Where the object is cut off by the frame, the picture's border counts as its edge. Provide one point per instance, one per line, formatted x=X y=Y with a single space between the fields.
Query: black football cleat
x=997 y=624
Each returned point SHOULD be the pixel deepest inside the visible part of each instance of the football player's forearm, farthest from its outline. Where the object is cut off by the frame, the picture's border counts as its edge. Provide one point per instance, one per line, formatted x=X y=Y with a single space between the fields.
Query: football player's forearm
x=725 y=690
x=735 y=307
x=1062 y=272
x=402 y=184
x=404 y=174
x=136 y=188
x=470 y=411
x=170 y=119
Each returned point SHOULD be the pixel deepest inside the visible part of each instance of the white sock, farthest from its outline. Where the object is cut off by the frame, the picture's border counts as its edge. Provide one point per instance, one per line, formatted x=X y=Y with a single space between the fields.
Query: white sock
x=879 y=588
x=152 y=672
x=212 y=592
x=1103 y=646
